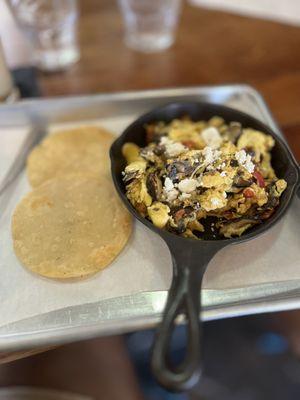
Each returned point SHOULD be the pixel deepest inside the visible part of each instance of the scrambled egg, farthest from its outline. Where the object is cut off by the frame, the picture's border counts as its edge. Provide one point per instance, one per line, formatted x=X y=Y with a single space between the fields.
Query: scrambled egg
x=159 y=214
x=193 y=172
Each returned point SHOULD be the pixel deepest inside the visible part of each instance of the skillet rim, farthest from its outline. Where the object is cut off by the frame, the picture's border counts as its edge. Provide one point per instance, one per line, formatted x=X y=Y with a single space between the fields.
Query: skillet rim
x=169 y=236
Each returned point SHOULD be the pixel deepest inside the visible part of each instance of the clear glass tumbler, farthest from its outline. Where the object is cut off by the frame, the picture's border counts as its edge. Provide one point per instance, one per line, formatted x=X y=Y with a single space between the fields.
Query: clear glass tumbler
x=150 y=25
x=51 y=27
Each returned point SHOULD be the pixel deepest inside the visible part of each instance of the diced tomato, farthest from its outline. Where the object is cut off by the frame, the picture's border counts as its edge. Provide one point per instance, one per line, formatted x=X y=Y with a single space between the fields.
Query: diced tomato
x=189 y=143
x=150 y=131
x=259 y=179
x=179 y=214
x=248 y=193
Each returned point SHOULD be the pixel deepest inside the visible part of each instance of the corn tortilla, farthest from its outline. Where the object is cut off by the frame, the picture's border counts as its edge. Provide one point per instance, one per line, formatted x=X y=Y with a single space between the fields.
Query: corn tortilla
x=79 y=150
x=70 y=227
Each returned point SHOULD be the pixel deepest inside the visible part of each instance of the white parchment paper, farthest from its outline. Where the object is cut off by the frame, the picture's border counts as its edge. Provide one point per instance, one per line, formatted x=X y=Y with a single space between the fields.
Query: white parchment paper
x=144 y=265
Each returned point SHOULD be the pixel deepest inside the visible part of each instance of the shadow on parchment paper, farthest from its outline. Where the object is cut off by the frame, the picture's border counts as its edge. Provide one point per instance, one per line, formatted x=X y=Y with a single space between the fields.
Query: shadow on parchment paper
x=232 y=265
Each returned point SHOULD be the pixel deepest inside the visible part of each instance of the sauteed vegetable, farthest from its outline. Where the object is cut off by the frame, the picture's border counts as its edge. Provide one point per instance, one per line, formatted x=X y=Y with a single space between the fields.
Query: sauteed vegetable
x=203 y=175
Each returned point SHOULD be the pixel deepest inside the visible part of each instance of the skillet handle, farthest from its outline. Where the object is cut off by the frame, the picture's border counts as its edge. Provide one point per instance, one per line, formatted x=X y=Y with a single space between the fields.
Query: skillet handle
x=183 y=298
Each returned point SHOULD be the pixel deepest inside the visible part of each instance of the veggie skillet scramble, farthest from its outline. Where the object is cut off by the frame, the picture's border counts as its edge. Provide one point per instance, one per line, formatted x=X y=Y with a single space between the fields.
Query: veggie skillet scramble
x=204 y=175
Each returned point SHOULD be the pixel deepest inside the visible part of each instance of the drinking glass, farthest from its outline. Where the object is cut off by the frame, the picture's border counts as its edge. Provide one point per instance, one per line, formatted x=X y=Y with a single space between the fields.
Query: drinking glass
x=150 y=24
x=51 y=27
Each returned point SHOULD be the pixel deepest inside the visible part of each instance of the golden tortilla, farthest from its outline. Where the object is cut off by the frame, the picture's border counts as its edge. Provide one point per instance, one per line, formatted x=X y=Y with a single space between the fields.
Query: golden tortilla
x=78 y=150
x=70 y=227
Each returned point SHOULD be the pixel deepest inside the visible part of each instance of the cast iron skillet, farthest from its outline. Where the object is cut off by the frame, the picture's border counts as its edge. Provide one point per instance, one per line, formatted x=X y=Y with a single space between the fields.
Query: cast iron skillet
x=191 y=257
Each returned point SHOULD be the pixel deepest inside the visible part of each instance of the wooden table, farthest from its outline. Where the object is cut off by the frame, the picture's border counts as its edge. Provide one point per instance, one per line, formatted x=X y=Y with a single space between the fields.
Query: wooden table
x=211 y=48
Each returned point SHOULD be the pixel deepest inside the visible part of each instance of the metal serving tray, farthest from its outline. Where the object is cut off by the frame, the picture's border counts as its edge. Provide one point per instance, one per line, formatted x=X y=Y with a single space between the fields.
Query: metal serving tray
x=143 y=310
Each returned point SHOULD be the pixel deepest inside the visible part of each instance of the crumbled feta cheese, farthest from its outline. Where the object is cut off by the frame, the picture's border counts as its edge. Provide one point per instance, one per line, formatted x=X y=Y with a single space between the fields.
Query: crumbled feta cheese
x=168 y=184
x=212 y=199
x=173 y=149
x=241 y=156
x=210 y=155
x=184 y=196
x=244 y=160
x=225 y=195
x=171 y=195
x=170 y=192
x=224 y=173
x=187 y=185
x=212 y=137
x=164 y=140
x=216 y=202
x=210 y=168
x=249 y=165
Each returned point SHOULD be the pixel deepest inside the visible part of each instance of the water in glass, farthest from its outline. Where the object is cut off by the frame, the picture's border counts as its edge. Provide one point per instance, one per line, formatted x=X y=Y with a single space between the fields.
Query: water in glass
x=150 y=24
x=51 y=28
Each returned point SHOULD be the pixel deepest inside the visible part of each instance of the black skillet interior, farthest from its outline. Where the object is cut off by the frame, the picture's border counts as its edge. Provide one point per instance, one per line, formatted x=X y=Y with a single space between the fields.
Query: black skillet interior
x=282 y=160
x=191 y=257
